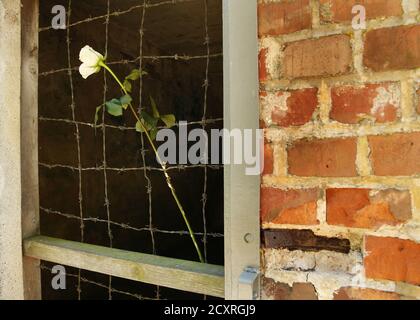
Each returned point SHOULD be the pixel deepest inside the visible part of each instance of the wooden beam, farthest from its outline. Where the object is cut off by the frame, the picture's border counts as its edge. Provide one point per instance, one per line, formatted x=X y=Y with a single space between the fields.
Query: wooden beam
x=167 y=272
x=11 y=276
x=29 y=143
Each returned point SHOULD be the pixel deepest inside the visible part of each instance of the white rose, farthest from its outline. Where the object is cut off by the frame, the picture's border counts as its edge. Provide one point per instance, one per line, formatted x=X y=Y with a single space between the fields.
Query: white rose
x=91 y=61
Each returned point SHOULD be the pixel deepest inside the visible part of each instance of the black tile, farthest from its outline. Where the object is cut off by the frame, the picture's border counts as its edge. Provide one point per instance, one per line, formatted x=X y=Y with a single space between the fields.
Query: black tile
x=53 y=50
x=129 y=201
x=59 y=190
x=55 y=96
x=57 y=143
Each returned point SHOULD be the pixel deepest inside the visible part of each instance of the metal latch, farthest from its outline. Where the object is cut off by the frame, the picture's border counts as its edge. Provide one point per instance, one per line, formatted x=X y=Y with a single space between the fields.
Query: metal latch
x=249 y=284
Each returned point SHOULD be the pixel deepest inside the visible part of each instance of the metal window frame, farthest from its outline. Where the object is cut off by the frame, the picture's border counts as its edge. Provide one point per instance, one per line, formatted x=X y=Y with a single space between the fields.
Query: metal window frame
x=242 y=192
x=242 y=228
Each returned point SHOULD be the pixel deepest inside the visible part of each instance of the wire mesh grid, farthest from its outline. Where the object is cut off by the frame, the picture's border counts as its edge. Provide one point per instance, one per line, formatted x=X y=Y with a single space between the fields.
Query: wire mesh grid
x=88 y=157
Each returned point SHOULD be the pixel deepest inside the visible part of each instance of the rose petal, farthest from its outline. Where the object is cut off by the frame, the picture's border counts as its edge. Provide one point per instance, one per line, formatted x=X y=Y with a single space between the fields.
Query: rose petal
x=90 y=57
x=86 y=70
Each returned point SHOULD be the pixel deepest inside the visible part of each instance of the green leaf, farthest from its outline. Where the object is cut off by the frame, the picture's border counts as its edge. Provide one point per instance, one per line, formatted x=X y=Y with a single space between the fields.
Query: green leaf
x=135 y=74
x=149 y=123
x=169 y=120
x=139 y=127
x=114 y=108
x=155 y=111
x=149 y=120
x=125 y=101
x=153 y=134
x=127 y=85
x=97 y=114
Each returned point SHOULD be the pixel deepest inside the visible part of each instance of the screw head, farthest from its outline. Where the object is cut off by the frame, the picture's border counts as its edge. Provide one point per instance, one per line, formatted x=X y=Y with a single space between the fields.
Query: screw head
x=248 y=238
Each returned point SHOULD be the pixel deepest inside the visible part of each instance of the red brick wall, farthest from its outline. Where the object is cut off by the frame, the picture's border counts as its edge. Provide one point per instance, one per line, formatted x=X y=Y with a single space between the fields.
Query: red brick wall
x=340 y=195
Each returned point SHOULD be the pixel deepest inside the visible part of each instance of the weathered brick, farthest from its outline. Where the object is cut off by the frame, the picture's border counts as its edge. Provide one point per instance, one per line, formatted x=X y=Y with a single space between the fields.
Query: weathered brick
x=323 y=158
x=289 y=206
x=354 y=293
x=341 y=10
x=351 y=104
x=392 y=259
x=262 y=61
x=392 y=48
x=327 y=56
x=289 y=108
x=365 y=208
x=312 y=261
x=283 y=17
x=395 y=155
x=273 y=290
x=304 y=240
x=268 y=159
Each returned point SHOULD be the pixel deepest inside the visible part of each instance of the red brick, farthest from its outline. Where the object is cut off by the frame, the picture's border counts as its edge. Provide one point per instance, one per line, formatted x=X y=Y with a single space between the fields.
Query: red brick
x=289 y=206
x=395 y=155
x=283 y=17
x=327 y=56
x=323 y=158
x=341 y=10
x=290 y=108
x=393 y=48
x=350 y=104
x=268 y=159
x=273 y=290
x=353 y=293
x=392 y=259
x=363 y=208
x=262 y=59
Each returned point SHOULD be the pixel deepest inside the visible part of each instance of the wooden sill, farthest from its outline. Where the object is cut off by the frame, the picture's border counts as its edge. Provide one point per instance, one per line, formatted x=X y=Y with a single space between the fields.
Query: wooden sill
x=167 y=272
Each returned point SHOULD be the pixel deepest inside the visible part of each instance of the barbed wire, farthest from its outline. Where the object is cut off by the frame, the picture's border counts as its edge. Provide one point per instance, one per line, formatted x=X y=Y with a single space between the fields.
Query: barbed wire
x=81 y=216
x=77 y=135
x=126 y=225
x=124 y=128
x=85 y=280
x=180 y=57
x=119 y=13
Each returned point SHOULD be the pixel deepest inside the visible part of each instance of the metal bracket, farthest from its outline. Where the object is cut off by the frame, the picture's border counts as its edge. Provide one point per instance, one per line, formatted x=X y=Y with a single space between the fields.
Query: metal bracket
x=249 y=284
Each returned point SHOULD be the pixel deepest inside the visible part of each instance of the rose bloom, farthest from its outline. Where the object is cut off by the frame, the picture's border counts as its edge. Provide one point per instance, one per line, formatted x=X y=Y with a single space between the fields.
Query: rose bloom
x=91 y=61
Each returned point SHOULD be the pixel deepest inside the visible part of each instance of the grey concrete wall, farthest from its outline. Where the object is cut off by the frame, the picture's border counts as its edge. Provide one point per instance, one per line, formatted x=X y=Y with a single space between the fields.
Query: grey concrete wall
x=11 y=284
